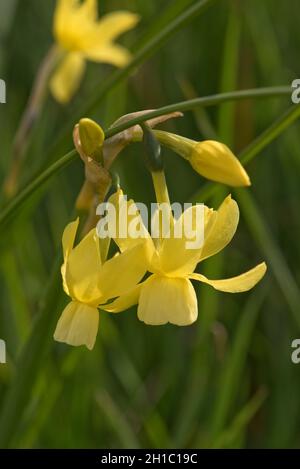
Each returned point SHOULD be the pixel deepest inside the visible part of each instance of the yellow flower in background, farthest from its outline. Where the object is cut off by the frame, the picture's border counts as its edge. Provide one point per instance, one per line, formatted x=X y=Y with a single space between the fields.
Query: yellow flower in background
x=90 y=281
x=168 y=294
x=81 y=36
x=209 y=158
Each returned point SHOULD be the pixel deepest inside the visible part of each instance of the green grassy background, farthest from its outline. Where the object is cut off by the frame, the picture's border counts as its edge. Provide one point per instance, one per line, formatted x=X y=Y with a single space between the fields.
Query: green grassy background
x=227 y=381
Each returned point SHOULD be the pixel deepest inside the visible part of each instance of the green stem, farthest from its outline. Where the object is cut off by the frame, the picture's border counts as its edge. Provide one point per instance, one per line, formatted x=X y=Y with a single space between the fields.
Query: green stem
x=160 y=187
x=162 y=197
x=292 y=115
x=270 y=92
x=29 y=119
x=9 y=210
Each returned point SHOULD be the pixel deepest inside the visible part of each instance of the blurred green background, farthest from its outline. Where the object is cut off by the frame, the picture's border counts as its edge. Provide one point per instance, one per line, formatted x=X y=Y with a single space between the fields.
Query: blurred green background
x=227 y=381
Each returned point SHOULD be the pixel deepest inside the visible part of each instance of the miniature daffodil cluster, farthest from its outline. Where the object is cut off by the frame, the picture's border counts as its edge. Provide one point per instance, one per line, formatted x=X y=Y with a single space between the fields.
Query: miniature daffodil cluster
x=154 y=274
x=167 y=295
x=89 y=280
x=80 y=37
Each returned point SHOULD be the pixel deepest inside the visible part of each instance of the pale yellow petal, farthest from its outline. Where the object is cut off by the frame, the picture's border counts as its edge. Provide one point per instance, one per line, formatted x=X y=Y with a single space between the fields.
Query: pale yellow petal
x=238 y=284
x=111 y=26
x=124 y=302
x=215 y=161
x=66 y=79
x=68 y=240
x=88 y=10
x=121 y=274
x=83 y=269
x=164 y=300
x=180 y=252
x=78 y=325
x=68 y=237
x=222 y=229
x=127 y=217
x=108 y=53
x=63 y=12
x=74 y=21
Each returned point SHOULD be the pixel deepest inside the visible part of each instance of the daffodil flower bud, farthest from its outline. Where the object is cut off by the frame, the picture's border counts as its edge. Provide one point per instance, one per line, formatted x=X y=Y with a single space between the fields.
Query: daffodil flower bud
x=211 y=159
x=91 y=139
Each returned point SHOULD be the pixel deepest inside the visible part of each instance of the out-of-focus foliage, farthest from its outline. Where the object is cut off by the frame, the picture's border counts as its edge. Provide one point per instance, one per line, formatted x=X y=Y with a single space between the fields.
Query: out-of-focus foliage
x=228 y=380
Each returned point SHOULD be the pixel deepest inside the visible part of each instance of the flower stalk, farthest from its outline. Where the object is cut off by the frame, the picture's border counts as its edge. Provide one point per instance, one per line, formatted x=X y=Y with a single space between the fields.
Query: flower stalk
x=29 y=118
x=160 y=187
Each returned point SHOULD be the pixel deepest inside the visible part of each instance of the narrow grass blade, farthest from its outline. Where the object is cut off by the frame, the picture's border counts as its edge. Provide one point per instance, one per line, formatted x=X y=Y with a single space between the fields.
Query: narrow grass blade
x=261 y=233
x=30 y=359
x=228 y=438
x=235 y=362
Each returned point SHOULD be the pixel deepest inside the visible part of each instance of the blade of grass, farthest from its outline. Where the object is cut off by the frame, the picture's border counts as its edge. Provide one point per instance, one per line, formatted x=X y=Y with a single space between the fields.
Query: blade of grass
x=134 y=386
x=33 y=186
x=261 y=233
x=235 y=361
x=228 y=438
x=173 y=9
x=117 y=420
x=30 y=359
x=272 y=132
x=16 y=292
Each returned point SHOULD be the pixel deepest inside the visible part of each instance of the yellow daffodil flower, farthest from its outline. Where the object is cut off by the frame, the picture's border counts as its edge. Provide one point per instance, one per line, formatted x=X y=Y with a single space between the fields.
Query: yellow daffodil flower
x=209 y=158
x=168 y=294
x=82 y=37
x=89 y=282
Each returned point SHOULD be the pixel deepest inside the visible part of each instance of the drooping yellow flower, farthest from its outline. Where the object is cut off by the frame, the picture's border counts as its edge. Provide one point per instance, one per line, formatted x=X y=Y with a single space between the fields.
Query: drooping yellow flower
x=168 y=294
x=81 y=36
x=89 y=282
x=209 y=158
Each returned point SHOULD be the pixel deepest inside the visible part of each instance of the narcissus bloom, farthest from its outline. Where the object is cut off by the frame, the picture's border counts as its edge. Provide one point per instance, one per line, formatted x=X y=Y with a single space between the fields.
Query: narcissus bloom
x=168 y=294
x=90 y=281
x=82 y=37
x=209 y=158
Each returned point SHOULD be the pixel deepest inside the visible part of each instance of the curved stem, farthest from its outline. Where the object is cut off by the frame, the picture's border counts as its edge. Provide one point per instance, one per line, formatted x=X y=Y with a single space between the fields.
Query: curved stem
x=270 y=92
x=289 y=117
x=29 y=118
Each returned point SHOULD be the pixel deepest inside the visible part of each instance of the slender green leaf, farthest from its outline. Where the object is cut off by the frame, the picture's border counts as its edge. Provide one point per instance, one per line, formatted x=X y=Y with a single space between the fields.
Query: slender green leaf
x=230 y=435
x=264 y=238
x=235 y=362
